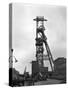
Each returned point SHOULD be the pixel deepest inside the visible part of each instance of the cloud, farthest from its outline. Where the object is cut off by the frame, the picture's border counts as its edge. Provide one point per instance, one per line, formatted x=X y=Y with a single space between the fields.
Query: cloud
x=24 y=31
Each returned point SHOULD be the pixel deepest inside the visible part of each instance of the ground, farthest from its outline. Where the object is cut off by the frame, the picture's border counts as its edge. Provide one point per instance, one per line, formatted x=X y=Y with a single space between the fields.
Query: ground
x=48 y=81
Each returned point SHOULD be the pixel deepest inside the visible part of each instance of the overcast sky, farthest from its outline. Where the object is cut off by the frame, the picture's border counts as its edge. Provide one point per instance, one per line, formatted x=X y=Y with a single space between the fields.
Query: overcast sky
x=24 y=32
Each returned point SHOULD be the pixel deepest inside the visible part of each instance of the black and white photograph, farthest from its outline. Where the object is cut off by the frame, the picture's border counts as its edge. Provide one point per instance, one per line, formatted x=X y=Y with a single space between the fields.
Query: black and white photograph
x=37 y=44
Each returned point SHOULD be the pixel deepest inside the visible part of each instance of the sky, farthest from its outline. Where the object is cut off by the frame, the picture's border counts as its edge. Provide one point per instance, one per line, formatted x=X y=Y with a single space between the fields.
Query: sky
x=24 y=32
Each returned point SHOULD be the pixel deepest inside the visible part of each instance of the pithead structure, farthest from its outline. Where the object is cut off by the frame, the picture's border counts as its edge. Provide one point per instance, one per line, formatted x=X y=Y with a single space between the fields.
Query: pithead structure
x=41 y=41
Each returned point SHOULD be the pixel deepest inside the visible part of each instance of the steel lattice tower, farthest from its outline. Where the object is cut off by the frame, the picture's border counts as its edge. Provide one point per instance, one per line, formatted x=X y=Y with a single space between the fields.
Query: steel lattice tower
x=40 y=40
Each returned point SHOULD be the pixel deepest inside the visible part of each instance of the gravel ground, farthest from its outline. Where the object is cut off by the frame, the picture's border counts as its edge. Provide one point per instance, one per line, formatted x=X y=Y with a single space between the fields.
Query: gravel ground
x=48 y=81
